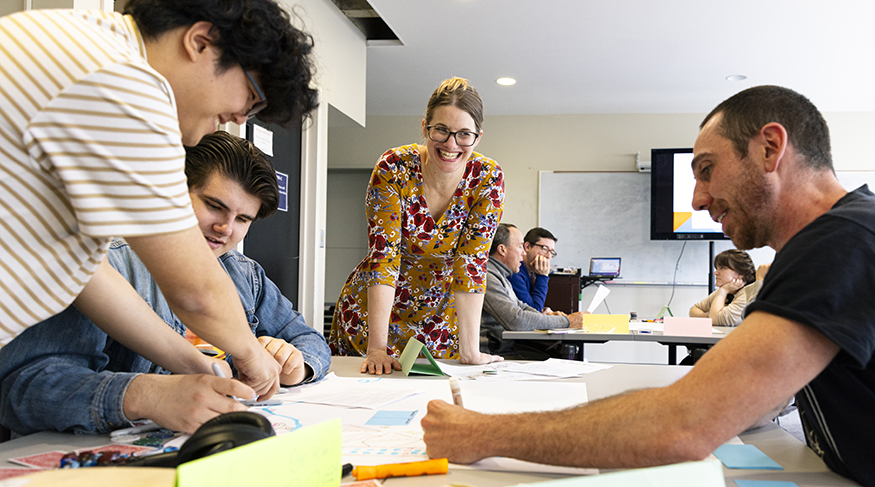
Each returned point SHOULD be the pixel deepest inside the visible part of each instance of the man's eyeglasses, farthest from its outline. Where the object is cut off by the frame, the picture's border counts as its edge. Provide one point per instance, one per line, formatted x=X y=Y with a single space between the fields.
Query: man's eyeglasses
x=440 y=134
x=262 y=100
x=546 y=250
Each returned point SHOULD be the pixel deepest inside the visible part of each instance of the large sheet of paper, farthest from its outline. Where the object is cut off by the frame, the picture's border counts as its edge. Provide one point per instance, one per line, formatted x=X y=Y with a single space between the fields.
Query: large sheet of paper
x=375 y=444
x=367 y=392
x=512 y=370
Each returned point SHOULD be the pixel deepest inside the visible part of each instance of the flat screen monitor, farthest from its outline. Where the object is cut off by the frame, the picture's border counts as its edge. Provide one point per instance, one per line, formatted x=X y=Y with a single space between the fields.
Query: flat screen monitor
x=671 y=196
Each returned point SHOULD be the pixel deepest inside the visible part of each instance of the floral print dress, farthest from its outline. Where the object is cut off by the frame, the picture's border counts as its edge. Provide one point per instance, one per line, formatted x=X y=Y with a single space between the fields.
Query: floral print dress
x=426 y=261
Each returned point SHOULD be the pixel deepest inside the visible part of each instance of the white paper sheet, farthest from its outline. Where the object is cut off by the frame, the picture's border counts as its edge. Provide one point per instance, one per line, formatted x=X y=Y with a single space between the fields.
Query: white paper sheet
x=600 y=296
x=558 y=368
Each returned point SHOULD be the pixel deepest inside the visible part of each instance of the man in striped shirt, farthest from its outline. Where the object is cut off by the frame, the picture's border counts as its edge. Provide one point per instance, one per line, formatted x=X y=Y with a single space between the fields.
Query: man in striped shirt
x=94 y=110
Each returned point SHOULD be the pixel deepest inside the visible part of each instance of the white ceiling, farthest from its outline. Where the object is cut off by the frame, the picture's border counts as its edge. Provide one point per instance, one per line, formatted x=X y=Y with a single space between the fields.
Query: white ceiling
x=623 y=56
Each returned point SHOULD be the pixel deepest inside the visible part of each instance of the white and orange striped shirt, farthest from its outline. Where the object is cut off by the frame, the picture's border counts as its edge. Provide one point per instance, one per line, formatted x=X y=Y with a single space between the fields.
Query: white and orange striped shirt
x=90 y=148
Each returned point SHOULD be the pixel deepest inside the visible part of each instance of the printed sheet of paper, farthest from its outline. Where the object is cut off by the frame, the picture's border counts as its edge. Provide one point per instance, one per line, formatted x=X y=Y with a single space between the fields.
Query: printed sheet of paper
x=366 y=392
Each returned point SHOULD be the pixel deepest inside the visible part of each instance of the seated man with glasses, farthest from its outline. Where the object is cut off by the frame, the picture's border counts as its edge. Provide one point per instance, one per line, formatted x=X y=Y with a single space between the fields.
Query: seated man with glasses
x=502 y=310
x=530 y=283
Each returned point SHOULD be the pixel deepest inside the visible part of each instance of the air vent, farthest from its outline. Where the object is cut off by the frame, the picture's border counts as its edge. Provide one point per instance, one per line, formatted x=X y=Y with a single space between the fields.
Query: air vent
x=368 y=21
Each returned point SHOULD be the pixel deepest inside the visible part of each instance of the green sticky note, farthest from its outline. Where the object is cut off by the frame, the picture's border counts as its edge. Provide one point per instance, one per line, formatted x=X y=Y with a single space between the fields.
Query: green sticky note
x=411 y=353
x=306 y=457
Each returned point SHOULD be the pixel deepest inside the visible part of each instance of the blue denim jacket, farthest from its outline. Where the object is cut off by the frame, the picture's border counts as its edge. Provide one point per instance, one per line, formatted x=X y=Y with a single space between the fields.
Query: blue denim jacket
x=65 y=374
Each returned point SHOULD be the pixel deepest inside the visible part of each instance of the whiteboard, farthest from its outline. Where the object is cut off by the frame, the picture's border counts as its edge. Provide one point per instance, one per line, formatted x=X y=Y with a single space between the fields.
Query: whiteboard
x=607 y=214
x=604 y=214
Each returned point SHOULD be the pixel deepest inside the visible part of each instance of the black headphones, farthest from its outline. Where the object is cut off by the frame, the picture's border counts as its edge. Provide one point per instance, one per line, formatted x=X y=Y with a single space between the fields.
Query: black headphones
x=221 y=433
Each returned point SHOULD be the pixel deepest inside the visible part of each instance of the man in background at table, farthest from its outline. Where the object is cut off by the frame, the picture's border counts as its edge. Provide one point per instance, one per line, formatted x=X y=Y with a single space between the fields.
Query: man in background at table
x=530 y=283
x=502 y=310
x=763 y=169
x=94 y=110
x=65 y=374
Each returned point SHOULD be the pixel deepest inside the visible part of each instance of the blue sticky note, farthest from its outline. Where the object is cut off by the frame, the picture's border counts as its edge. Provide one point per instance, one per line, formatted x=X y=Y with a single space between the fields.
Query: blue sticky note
x=764 y=483
x=745 y=456
x=391 y=418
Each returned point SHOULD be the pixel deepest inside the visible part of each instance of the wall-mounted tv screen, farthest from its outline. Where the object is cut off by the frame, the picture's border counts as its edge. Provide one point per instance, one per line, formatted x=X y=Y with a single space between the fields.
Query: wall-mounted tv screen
x=671 y=195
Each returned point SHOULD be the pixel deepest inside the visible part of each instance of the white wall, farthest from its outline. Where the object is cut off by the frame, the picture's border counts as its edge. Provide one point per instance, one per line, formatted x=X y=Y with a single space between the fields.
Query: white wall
x=524 y=145
x=341 y=63
x=341 y=51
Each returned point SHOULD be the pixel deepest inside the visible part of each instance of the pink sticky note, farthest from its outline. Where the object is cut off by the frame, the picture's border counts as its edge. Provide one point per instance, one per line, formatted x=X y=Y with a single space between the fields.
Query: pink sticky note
x=689 y=327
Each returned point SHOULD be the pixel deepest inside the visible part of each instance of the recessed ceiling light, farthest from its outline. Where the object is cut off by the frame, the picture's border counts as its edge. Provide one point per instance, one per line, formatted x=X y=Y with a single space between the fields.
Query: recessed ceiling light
x=736 y=77
x=505 y=81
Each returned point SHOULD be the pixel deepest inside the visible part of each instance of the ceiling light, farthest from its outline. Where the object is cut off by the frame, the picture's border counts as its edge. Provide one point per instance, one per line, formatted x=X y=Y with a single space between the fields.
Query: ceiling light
x=506 y=81
x=736 y=77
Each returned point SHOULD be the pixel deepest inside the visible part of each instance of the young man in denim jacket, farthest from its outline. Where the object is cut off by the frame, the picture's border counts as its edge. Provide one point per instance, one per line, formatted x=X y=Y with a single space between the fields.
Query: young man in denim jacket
x=79 y=379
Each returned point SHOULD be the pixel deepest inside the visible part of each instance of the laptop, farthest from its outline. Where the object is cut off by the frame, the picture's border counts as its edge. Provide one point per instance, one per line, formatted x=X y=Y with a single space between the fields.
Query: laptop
x=604 y=267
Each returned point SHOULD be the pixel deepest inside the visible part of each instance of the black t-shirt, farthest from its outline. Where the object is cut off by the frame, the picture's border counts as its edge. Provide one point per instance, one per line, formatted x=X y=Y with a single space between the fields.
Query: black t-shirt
x=824 y=277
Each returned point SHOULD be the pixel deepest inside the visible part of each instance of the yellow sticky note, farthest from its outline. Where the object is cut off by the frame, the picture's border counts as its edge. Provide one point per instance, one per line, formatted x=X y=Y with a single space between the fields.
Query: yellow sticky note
x=306 y=457
x=606 y=323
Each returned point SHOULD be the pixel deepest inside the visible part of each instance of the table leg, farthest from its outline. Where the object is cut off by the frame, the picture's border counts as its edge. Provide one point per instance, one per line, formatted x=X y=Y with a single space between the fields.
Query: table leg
x=672 y=355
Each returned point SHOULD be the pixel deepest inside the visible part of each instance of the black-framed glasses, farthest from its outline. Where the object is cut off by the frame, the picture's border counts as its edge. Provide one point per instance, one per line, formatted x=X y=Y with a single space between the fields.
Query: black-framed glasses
x=262 y=100
x=546 y=250
x=464 y=138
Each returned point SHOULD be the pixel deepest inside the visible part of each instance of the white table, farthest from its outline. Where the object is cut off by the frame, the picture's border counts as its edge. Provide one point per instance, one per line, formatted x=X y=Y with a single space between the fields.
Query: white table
x=800 y=464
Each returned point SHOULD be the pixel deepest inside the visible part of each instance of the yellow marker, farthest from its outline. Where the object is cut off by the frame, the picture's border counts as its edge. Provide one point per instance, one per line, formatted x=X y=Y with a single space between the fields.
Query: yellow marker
x=412 y=469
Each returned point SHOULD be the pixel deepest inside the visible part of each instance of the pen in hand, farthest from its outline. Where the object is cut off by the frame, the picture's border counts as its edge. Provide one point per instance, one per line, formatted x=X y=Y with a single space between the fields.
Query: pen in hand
x=254 y=402
x=217 y=371
x=456 y=389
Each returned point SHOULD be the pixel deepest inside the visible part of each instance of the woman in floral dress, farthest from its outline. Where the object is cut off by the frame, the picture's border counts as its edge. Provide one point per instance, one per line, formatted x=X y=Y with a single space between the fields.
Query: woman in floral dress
x=432 y=212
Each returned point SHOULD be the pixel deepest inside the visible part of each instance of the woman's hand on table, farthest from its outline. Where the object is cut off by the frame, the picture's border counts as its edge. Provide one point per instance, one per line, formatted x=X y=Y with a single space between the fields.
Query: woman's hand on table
x=481 y=358
x=379 y=362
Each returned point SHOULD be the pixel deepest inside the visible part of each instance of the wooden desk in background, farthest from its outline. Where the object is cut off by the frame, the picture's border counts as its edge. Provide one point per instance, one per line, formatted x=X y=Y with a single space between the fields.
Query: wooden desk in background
x=563 y=293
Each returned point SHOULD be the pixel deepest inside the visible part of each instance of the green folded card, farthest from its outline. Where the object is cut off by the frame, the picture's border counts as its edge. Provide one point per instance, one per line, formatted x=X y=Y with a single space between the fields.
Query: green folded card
x=411 y=353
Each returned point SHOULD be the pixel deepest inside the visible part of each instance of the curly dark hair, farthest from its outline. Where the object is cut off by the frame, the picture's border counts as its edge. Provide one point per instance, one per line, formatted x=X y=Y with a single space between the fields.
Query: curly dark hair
x=254 y=34
x=238 y=160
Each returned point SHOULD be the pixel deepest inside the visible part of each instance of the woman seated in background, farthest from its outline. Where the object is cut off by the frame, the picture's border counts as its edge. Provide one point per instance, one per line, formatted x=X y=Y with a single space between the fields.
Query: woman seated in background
x=738 y=283
x=432 y=212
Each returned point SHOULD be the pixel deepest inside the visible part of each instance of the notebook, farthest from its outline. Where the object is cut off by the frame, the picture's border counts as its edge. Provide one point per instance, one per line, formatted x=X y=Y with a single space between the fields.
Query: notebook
x=604 y=267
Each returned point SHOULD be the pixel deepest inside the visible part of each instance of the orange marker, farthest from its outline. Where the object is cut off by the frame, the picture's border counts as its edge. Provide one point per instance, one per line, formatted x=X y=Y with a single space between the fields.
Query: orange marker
x=412 y=469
